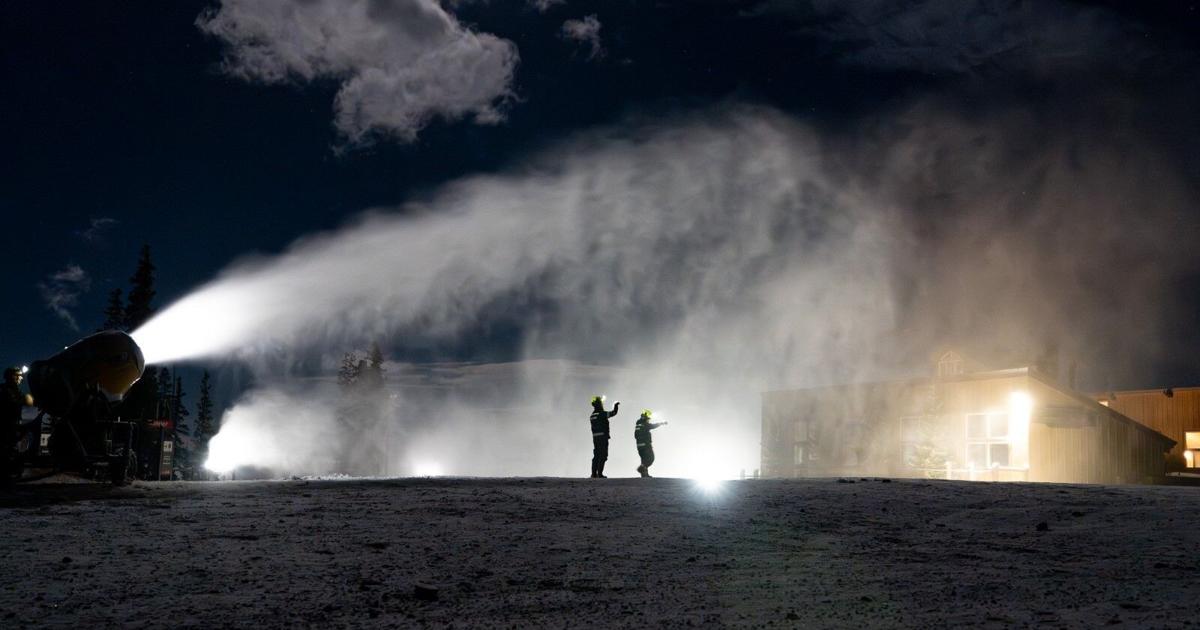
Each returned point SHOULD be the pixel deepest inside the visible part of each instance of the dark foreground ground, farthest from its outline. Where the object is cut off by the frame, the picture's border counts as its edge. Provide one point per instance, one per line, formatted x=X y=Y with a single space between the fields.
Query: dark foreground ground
x=574 y=553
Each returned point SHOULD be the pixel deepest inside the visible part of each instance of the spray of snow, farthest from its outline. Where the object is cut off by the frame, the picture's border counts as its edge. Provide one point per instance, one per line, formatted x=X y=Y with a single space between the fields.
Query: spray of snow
x=703 y=261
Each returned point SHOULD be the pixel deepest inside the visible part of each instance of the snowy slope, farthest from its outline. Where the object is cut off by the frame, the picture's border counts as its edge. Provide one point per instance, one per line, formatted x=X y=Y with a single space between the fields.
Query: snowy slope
x=580 y=552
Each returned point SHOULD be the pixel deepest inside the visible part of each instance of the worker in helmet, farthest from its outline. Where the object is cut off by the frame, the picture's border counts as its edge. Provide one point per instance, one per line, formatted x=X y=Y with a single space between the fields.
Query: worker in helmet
x=600 y=434
x=11 y=402
x=645 y=444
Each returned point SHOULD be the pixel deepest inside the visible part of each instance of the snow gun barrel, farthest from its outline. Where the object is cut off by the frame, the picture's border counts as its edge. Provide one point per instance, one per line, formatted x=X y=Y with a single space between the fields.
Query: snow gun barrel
x=107 y=364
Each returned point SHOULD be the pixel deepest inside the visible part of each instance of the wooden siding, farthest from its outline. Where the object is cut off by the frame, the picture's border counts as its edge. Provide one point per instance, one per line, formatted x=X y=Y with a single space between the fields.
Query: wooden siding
x=1093 y=447
x=1171 y=417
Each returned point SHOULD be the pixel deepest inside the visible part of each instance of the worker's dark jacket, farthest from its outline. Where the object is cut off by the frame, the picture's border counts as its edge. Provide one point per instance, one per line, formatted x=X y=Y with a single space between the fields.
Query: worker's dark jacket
x=600 y=422
x=11 y=402
x=641 y=431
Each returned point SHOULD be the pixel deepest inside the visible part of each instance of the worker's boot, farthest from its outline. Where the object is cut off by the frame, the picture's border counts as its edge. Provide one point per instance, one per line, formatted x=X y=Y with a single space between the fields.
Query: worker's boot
x=642 y=471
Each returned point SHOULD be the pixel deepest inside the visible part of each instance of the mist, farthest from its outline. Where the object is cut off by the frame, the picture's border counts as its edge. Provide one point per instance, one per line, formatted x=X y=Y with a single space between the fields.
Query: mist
x=685 y=266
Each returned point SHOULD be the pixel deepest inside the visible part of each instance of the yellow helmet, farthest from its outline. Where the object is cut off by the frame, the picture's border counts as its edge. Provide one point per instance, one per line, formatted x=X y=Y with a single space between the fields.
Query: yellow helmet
x=597 y=399
x=646 y=413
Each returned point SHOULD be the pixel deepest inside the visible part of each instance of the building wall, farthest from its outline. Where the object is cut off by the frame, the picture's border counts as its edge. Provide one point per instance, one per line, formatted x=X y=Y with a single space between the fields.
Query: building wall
x=1170 y=416
x=1060 y=436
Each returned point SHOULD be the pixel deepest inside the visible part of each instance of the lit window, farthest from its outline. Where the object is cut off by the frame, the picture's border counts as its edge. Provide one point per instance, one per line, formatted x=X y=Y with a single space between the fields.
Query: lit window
x=977 y=426
x=997 y=455
x=977 y=456
x=997 y=424
x=950 y=364
x=987 y=440
x=1192 y=439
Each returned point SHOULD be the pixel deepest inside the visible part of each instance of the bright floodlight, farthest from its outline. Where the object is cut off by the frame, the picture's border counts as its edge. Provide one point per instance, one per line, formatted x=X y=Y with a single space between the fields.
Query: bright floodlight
x=708 y=485
x=427 y=469
x=1020 y=404
x=230 y=448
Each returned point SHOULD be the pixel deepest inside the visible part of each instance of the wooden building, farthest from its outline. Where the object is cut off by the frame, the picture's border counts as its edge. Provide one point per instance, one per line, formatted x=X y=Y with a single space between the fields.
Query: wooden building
x=1173 y=412
x=1000 y=425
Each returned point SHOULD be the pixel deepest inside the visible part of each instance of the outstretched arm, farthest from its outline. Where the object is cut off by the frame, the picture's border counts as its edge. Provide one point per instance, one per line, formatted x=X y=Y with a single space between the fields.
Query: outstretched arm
x=616 y=406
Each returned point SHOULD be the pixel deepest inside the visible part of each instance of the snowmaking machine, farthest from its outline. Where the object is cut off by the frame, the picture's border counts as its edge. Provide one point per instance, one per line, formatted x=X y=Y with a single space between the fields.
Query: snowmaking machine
x=77 y=391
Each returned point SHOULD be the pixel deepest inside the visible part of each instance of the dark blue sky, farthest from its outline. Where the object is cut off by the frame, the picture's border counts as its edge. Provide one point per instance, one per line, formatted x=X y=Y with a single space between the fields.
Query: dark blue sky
x=119 y=111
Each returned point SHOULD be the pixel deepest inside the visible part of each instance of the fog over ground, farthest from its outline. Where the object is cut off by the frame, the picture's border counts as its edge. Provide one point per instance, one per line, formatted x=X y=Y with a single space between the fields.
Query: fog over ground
x=700 y=260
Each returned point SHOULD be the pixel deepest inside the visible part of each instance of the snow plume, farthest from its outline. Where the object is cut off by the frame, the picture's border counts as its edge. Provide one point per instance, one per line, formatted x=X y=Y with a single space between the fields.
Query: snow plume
x=399 y=63
x=61 y=290
x=585 y=31
x=283 y=428
x=709 y=259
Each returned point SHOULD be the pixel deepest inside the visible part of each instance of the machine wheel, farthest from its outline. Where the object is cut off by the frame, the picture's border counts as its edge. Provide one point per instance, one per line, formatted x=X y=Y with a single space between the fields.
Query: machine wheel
x=121 y=469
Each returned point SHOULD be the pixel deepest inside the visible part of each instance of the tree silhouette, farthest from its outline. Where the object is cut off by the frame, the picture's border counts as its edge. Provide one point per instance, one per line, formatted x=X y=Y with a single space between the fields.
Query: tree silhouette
x=182 y=460
x=114 y=312
x=205 y=425
x=141 y=292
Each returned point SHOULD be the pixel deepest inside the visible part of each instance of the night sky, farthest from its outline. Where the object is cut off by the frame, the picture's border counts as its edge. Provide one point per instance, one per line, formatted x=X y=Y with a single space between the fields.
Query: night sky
x=122 y=126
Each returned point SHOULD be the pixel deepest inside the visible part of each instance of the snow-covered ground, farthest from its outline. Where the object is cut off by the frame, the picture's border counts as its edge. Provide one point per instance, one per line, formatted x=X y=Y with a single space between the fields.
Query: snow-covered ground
x=579 y=552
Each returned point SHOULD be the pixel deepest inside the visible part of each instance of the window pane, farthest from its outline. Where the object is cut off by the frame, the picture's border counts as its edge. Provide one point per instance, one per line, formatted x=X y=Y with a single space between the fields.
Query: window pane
x=999 y=455
x=977 y=455
x=997 y=425
x=1192 y=439
x=976 y=426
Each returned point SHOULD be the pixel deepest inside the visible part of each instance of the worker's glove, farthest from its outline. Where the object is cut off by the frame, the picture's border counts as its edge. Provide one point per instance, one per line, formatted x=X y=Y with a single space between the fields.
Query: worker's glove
x=616 y=404
x=665 y=423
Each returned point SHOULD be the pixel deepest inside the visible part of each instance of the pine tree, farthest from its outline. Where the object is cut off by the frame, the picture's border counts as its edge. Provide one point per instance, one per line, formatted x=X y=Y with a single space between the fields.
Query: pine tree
x=179 y=413
x=376 y=358
x=143 y=400
x=364 y=412
x=141 y=293
x=205 y=426
x=163 y=394
x=928 y=454
x=372 y=373
x=114 y=313
x=349 y=372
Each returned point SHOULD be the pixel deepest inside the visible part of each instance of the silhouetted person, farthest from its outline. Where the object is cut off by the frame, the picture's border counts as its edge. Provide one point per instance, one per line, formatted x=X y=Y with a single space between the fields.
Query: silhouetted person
x=600 y=435
x=11 y=402
x=645 y=443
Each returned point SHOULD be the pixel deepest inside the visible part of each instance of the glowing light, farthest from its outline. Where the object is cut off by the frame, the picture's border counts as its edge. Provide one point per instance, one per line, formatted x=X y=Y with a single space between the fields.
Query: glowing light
x=1020 y=411
x=709 y=463
x=24 y=369
x=229 y=449
x=428 y=469
x=1020 y=405
x=1190 y=457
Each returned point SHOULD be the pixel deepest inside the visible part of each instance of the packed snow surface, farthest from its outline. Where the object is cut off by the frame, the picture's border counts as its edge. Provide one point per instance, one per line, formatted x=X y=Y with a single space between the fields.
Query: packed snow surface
x=583 y=552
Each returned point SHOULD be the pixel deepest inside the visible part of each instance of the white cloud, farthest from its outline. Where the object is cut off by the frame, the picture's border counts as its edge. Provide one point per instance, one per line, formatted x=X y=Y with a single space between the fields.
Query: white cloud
x=61 y=291
x=96 y=229
x=545 y=5
x=586 y=31
x=399 y=63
